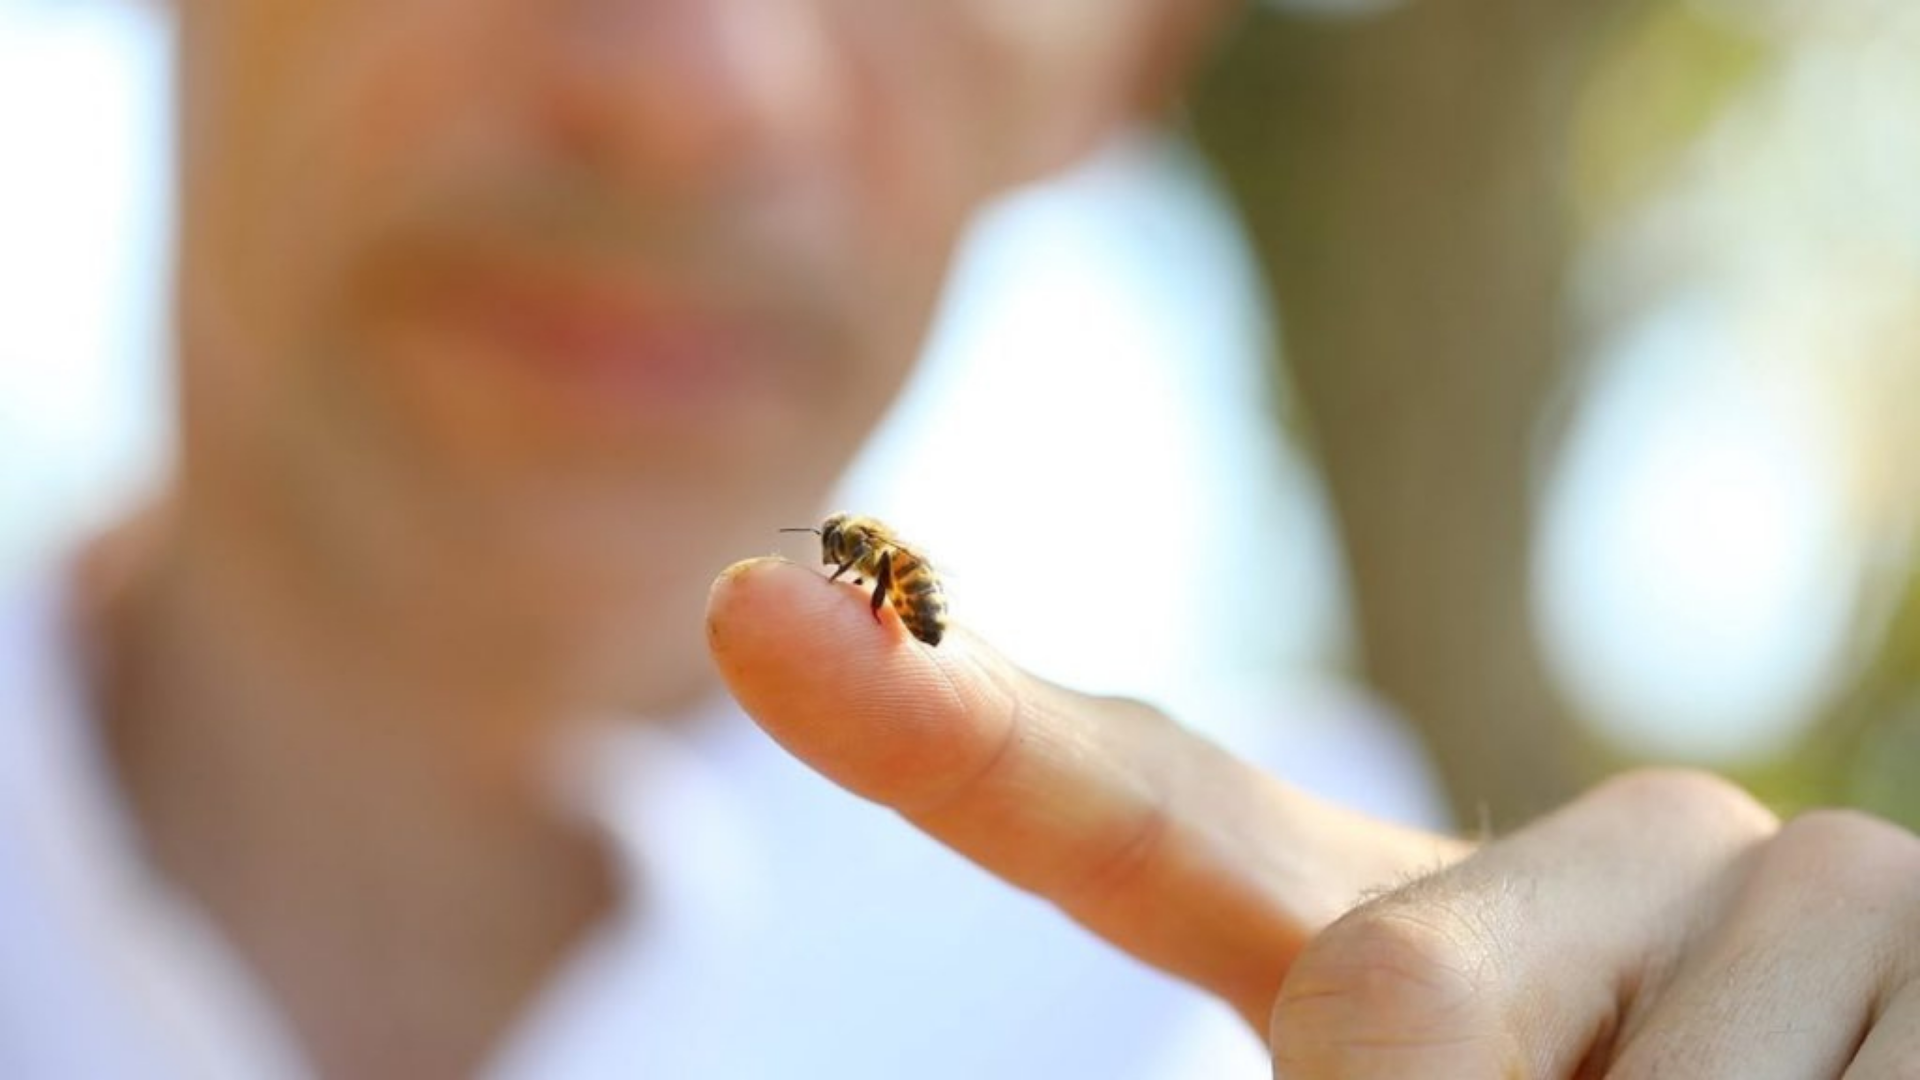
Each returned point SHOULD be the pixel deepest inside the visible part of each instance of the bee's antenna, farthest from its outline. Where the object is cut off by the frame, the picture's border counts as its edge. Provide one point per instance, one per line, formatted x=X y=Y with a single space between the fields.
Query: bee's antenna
x=804 y=528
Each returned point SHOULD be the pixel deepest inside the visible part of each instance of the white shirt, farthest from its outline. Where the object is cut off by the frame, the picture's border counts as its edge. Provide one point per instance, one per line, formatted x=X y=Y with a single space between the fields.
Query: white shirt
x=773 y=926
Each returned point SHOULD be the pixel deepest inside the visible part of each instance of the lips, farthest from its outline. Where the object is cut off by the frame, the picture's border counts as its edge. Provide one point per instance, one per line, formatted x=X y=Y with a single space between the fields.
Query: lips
x=600 y=348
x=615 y=338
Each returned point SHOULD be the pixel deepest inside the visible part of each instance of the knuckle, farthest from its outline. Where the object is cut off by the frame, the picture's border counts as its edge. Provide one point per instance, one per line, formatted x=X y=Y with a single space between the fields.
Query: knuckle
x=1852 y=857
x=1852 y=832
x=1143 y=839
x=1390 y=978
x=1131 y=850
x=1661 y=796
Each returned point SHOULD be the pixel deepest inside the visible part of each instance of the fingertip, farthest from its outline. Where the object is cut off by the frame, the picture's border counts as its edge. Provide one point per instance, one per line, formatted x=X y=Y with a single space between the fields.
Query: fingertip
x=756 y=573
x=769 y=615
x=854 y=696
x=751 y=589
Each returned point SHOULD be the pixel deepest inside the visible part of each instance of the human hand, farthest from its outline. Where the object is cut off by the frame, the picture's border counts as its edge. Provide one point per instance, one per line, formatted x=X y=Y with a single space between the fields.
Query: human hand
x=1662 y=925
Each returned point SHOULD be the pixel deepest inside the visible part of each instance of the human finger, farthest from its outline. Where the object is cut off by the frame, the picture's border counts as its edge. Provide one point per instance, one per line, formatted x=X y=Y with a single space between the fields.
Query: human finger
x=1147 y=834
x=1783 y=987
x=1891 y=1050
x=1521 y=960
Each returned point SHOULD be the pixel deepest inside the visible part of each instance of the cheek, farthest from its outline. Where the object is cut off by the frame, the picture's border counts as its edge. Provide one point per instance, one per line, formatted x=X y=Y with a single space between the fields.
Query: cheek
x=903 y=283
x=309 y=124
x=921 y=167
x=311 y=128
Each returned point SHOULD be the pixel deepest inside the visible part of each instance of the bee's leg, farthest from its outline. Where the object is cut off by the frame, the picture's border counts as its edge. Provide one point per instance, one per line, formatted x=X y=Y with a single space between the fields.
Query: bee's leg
x=882 y=582
x=853 y=558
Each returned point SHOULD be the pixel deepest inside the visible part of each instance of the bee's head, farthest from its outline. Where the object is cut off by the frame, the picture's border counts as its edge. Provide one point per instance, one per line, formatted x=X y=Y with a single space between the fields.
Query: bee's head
x=834 y=538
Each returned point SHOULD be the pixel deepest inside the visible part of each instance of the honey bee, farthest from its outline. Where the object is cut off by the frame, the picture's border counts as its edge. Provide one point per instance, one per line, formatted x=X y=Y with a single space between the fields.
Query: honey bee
x=900 y=574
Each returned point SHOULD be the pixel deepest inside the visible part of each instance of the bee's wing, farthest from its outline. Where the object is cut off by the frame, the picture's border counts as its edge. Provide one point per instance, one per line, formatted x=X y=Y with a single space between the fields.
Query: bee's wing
x=942 y=572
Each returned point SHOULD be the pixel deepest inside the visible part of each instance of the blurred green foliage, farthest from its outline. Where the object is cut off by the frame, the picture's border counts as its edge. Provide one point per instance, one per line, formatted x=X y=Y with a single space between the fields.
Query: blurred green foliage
x=1419 y=184
x=1866 y=751
x=1660 y=76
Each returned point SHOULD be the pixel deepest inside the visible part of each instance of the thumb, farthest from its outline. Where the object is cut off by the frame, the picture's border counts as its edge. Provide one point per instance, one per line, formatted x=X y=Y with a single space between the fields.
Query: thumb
x=1145 y=833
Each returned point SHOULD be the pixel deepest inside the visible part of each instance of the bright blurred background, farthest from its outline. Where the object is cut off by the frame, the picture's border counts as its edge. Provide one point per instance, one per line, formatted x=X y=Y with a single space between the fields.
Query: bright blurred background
x=1551 y=368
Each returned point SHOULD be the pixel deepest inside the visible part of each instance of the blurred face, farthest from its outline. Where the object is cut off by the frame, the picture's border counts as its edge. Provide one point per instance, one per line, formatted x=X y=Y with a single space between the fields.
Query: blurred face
x=601 y=269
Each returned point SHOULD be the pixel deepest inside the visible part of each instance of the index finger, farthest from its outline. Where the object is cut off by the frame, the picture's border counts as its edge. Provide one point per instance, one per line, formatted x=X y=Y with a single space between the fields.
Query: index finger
x=1144 y=832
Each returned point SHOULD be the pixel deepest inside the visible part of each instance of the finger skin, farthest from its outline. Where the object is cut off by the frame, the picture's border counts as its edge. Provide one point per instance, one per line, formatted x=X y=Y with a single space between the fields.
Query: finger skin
x=1523 y=959
x=1784 y=986
x=1891 y=1050
x=1147 y=834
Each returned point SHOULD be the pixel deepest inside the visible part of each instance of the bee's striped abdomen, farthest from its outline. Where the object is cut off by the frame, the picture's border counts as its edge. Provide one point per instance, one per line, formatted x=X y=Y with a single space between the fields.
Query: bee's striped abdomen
x=918 y=599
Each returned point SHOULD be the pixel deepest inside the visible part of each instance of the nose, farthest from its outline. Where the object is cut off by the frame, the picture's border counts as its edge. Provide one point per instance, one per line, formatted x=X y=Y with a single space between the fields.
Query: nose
x=678 y=93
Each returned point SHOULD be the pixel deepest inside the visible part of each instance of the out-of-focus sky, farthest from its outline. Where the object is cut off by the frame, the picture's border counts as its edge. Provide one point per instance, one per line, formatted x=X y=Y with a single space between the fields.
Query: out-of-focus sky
x=84 y=191
x=1703 y=527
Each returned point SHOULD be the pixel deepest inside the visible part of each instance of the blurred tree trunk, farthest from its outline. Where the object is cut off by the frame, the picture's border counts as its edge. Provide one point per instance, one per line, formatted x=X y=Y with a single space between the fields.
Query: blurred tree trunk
x=1400 y=179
